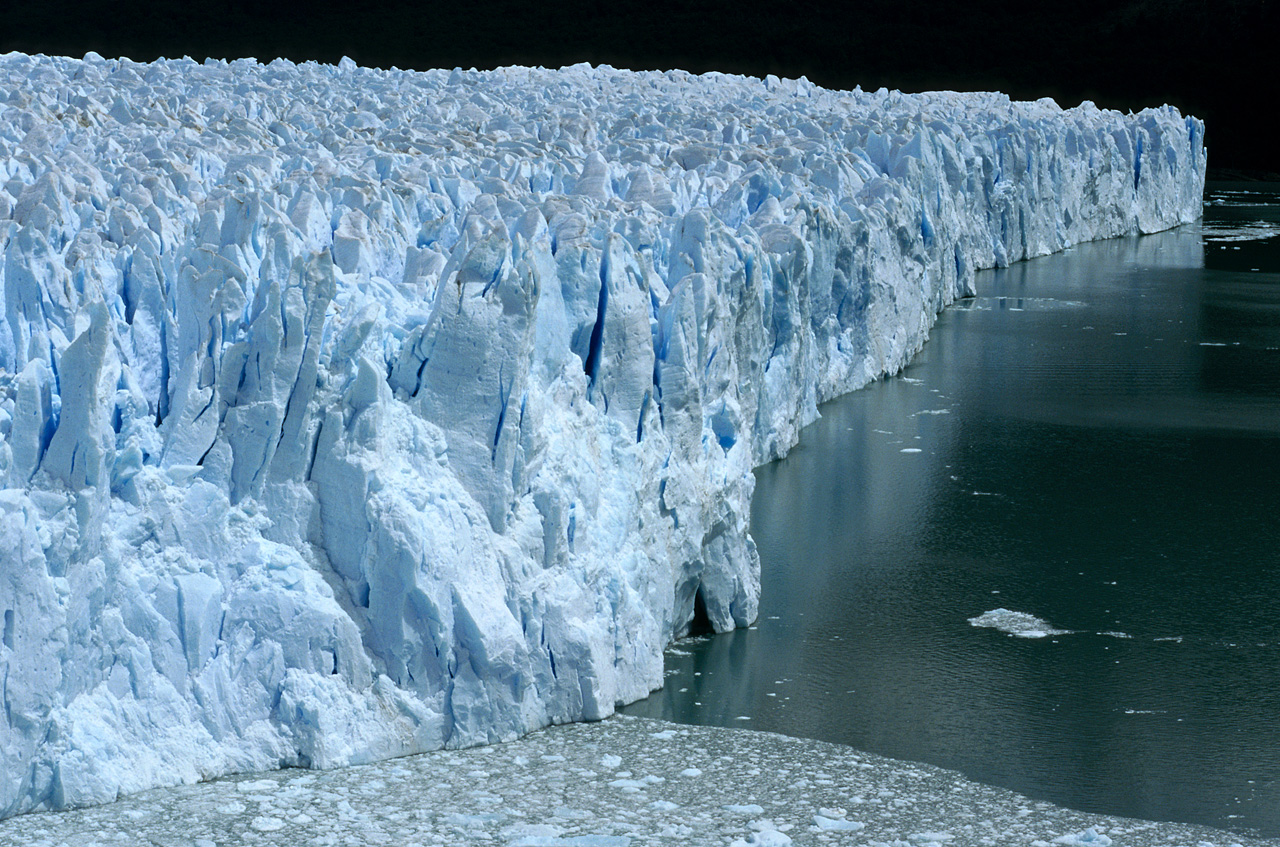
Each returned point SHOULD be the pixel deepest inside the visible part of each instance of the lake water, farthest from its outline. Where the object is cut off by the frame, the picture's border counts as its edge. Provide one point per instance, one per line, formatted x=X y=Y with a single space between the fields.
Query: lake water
x=1093 y=440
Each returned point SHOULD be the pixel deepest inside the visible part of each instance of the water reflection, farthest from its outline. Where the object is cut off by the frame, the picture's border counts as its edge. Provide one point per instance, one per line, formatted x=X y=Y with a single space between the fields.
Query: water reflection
x=1092 y=440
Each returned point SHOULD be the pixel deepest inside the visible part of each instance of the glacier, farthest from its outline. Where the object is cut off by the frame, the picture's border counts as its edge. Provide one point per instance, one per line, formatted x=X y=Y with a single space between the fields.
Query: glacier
x=350 y=413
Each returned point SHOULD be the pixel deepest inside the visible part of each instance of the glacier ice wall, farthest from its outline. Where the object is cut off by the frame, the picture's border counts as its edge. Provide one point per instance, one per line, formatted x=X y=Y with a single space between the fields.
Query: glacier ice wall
x=349 y=413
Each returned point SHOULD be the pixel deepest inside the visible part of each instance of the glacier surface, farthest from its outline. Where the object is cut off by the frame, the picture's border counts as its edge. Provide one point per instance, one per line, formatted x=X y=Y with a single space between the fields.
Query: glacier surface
x=349 y=413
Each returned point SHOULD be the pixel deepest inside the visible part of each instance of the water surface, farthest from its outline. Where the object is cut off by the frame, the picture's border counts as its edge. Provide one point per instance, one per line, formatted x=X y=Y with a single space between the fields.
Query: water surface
x=1093 y=440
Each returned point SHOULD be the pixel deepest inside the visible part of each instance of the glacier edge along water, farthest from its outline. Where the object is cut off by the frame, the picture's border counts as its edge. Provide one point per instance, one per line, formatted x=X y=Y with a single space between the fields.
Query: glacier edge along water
x=1071 y=589
x=349 y=413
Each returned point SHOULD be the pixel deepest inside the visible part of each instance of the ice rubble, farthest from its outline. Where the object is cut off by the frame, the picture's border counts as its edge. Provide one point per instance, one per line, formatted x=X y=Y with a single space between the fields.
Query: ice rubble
x=1019 y=624
x=558 y=788
x=349 y=413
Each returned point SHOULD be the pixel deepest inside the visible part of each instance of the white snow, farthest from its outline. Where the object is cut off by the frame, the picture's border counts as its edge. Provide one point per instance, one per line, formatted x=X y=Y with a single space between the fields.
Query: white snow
x=349 y=413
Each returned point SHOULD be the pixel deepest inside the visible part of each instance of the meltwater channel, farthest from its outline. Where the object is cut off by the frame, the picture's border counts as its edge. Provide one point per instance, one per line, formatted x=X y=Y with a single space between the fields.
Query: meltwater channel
x=1093 y=440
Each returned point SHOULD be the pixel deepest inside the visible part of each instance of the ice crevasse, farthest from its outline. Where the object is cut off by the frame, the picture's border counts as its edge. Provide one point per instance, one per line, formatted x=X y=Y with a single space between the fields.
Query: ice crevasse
x=350 y=413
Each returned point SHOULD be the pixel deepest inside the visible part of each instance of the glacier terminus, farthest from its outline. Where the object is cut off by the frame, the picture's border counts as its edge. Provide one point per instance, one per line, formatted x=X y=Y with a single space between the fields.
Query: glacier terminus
x=351 y=413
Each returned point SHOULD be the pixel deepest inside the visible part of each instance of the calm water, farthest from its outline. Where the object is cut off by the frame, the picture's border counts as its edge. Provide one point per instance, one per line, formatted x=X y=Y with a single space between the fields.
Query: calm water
x=1098 y=439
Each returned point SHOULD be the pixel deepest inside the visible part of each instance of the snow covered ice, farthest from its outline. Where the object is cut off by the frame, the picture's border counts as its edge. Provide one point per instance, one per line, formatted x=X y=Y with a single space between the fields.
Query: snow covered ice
x=555 y=788
x=346 y=413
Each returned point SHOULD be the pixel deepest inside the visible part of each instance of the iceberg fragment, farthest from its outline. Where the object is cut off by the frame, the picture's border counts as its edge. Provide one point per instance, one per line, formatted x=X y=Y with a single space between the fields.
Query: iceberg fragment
x=1019 y=624
x=349 y=413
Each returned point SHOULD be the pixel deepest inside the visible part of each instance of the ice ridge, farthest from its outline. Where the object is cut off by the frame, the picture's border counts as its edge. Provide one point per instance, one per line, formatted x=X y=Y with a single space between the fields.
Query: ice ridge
x=349 y=413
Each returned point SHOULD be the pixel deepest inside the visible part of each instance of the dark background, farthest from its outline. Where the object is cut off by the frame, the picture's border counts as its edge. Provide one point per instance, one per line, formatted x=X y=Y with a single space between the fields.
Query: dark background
x=1204 y=56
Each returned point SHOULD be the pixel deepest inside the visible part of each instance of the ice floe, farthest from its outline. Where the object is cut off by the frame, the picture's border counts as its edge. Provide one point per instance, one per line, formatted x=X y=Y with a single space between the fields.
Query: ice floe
x=1019 y=624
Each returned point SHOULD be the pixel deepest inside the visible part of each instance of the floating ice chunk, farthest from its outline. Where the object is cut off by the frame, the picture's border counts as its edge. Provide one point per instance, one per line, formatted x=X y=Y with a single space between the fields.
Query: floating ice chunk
x=257 y=786
x=839 y=824
x=571 y=841
x=473 y=820
x=570 y=813
x=531 y=830
x=1229 y=232
x=909 y=450
x=1090 y=837
x=1019 y=624
x=747 y=809
x=265 y=823
x=1021 y=304
x=764 y=838
x=628 y=785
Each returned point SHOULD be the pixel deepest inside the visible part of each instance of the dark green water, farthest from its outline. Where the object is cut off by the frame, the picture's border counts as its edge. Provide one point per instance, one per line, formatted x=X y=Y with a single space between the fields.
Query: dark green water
x=1098 y=438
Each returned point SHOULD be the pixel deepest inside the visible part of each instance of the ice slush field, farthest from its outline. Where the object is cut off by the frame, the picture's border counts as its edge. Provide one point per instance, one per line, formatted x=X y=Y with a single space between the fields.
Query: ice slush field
x=623 y=782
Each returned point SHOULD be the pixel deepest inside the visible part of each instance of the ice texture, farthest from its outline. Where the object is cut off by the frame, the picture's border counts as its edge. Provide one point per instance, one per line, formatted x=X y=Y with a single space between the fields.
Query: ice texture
x=547 y=789
x=1021 y=624
x=350 y=413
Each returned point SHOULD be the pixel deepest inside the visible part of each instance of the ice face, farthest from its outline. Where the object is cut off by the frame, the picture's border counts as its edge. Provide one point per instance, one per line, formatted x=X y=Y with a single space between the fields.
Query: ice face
x=349 y=413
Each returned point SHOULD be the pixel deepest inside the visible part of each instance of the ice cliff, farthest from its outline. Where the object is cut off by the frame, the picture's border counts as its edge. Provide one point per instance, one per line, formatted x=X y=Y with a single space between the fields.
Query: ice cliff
x=348 y=413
